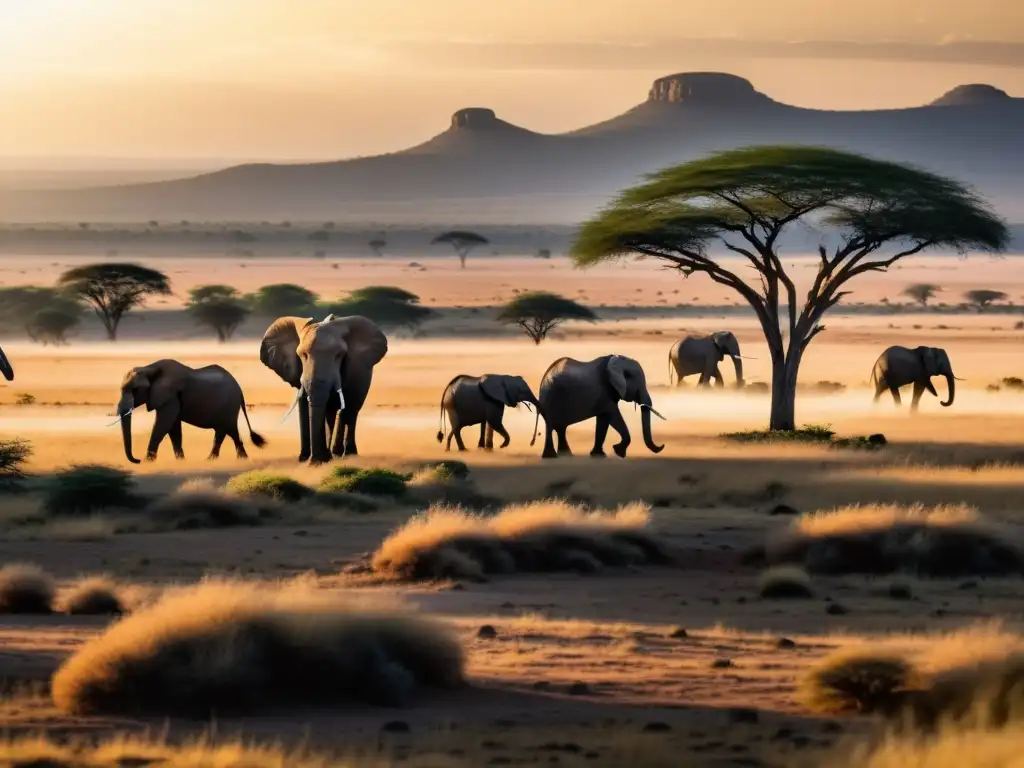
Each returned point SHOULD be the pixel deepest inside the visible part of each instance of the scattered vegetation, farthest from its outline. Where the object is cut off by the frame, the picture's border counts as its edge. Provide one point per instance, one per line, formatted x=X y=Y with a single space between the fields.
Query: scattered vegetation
x=541 y=536
x=374 y=481
x=462 y=241
x=46 y=314
x=83 y=489
x=945 y=541
x=232 y=647
x=447 y=483
x=982 y=298
x=114 y=289
x=200 y=504
x=858 y=681
x=784 y=582
x=539 y=312
x=260 y=482
x=812 y=433
x=219 y=307
x=13 y=456
x=385 y=305
x=93 y=596
x=1014 y=383
x=377 y=245
x=921 y=292
x=26 y=588
x=283 y=299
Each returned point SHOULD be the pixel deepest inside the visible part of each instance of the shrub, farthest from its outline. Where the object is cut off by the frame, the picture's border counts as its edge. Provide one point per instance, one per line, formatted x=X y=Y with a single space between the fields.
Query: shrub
x=537 y=537
x=26 y=588
x=85 y=488
x=13 y=455
x=199 y=504
x=784 y=582
x=964 y=748
x=259 y=482
x=941 y=542
x=92 y=596
x=858 y=680
x=1013 y=382
x=236 y=648
x=374 y=481
x=445 y=484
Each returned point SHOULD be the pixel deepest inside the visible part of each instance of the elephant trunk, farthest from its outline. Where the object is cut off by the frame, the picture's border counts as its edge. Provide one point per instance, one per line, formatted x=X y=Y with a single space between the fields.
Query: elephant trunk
x=951 y=386
x=124 y=410
x=319 y=394
x=736 y=361
x=645 y=421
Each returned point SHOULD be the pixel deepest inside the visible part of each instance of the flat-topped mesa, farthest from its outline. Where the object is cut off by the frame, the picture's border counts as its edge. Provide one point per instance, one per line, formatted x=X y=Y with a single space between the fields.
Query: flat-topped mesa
x=716 y=88
x=972 y=94
x=475 y=118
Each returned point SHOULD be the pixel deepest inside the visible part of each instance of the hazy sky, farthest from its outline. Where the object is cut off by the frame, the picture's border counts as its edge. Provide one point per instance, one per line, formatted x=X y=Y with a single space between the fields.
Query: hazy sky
x=332 y=78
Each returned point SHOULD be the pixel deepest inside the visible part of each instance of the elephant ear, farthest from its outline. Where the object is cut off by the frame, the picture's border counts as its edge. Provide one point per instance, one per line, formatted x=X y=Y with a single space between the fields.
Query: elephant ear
x=928 y=360
x=617 y=375
x=166 y=379
x=277 y=350
x=496 y=388
x=720 y=340
x=367 y=343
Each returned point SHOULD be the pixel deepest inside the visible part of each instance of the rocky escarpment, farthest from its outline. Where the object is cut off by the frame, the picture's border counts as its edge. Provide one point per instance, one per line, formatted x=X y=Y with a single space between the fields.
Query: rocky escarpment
x=972 y=94
x=705 y=88
x=476 y=118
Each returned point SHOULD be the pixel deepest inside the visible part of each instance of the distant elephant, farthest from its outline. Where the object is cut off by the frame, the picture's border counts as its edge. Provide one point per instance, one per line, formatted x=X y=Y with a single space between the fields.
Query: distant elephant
x=701 y=355
x=572 y=391
x=5 y=367
x=470 y=400
x=207 y=397
x=899 y=366
x=330 y=363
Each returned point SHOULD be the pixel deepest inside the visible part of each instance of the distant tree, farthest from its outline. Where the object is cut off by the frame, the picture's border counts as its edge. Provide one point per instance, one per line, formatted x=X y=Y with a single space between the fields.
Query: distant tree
x=377 y=245
x=538 y=312
x=51 y=325
x=219 y=307
x=384 y=304
x=462 y=241
x=921 y=292
x=114 y=289
x=543 y=253
x=46 y=314
x=982 y=298
x=241 y=236
x=741 y=201
x=281 y=299
x=320 y=236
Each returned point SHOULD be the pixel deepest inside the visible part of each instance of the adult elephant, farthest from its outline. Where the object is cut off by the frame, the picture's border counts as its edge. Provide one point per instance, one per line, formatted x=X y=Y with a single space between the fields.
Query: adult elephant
x=330 y=363
x=5 y=367
x=898 y=366
x=572 y=391
x=207 y=397
x=701 y=355
x=471 y=400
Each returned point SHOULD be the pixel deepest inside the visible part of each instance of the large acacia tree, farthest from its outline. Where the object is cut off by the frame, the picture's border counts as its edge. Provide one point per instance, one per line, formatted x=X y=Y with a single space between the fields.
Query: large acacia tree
x=740 y=202
x=113 y=289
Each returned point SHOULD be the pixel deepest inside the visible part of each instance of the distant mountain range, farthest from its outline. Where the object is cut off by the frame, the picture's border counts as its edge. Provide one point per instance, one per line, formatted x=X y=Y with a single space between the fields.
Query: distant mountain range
x=484 y=169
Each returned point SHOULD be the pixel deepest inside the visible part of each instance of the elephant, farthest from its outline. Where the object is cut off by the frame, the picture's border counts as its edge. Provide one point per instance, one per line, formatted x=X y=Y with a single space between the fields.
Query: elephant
x=331 y=364
x=899 y=366
x=572 y=391
x=5 y=367
x=207 y=397
x=701 y=354
x=469 y=400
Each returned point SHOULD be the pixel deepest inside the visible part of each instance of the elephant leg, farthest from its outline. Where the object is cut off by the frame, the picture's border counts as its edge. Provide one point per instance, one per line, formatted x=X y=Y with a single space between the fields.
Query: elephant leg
x=896 y=395
x=175 y=434
x=616 y=422
x=717 y=376
x=458 y=437
x=549 y=443
x=880 y=387
x=916 y=399
x=348 y=425
x=600 y=433
x=333 y=427
x=165 y=420
x=563 y=443
x=237 y=440
x=340 y=436
x=304 y=450
x=218 y=440
x=448 y=445
x=498 y=427
x=482 y=442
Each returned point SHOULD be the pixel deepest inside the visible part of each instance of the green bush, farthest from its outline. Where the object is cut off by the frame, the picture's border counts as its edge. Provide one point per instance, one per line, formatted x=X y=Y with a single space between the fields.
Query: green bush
x=261 y=483
x=13 y=455
x=374 y=481
x=451 y=468
x=82 y=489
x=821 y=434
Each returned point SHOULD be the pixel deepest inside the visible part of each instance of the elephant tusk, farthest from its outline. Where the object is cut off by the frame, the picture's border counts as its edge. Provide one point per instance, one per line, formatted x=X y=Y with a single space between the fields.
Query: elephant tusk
x=651 y=409
x=342 y=398
x=959 y=379
x=120 y=418
x=294 y=403
x=744 y=357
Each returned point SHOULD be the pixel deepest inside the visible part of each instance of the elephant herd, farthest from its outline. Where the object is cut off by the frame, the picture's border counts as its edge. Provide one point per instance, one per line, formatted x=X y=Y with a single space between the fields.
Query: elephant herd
x=330 y=364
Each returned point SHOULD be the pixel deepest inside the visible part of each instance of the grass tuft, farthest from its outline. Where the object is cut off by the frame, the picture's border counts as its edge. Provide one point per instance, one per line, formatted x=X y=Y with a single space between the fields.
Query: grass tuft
x=93 y=596
x=784 y=582
x=13 y=456
x=259 y=482
x=83 y=489
x=198 y=503
x=26 y=588
x=858 y=681
x=815 y=434
x=442 y=485
x=374 y=481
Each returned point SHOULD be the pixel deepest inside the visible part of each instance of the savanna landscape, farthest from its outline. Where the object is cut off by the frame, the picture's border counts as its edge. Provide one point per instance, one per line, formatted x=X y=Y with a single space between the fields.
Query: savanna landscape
x=235 y=530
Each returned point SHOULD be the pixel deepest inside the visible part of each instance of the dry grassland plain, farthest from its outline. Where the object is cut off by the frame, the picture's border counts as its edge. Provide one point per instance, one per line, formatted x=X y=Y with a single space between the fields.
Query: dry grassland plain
x=597 y=662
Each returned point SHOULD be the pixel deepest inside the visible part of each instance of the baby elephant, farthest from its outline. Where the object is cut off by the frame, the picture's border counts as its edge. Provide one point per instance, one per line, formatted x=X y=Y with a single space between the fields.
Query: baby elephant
x=208 y=398
x=470 y=400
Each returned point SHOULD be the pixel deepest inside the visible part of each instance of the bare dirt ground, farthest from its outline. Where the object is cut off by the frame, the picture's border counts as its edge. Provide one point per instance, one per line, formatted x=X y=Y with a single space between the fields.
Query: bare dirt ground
x=581 y=666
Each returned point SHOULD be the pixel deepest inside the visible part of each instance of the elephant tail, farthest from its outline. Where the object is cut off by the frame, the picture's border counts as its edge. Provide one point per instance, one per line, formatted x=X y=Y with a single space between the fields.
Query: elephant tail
x=536 y=421
x=440 y=428
x=670 y=367
x=257 y=439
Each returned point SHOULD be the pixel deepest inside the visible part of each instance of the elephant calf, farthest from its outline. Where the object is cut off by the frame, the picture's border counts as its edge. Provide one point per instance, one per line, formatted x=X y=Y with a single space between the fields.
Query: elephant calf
x=208 y=398
x=899 y=366
x=573 y=391
x=470 y=400
x=701 y=355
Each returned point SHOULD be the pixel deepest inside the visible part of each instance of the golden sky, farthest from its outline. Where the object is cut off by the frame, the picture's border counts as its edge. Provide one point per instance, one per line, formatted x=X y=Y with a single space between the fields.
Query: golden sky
x=331 y=78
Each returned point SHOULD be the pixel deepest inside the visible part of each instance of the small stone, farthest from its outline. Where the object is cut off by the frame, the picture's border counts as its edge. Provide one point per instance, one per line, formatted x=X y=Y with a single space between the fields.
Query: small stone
x=877 y=439
x=785 y=642
x=782 y=509
x=487 y=632
x=721 y=664
x=679 y=633
x=579 y=689
x=300 y=532
x=939 y=612
x=395 y=726
x=458 y=586
x=968 y=585
x=507 y=604
x=743 y=715
x=541 y=685
x=782 y=734
x=656 y=726
x=835 y=609
x=831 y=726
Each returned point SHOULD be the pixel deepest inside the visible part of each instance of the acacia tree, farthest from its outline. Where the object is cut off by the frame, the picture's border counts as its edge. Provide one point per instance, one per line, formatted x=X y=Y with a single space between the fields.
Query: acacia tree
x=386 y=305
x=50 y=325
x=114 y=289
x=921 y=292
x=218 y=306
x=377 y=245
x=982 y=298
x=462 y=241
x=743 y=200
x=280 y=299
x=539 y=312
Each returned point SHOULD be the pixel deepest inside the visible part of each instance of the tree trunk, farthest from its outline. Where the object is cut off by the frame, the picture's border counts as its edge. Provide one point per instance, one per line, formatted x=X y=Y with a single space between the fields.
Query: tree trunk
x=784 y=377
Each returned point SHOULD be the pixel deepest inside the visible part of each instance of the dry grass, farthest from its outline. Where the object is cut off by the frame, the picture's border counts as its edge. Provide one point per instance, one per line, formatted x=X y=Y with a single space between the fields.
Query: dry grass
x=92 y=596
x=951 y=748
x=229 y=647
x=784 y=582
x=943 y=541
x=198 y=503
x=26 y=588
x=856 y=680
x=442 y=484
x=549 y=535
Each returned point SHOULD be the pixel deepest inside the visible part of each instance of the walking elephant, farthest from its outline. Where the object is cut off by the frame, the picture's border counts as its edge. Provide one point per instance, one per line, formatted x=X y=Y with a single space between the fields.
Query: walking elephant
x=701 y=355
x=207 y=397
x=899 y=366
x=471 y=400
x=572 y=391
x=330 y=363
